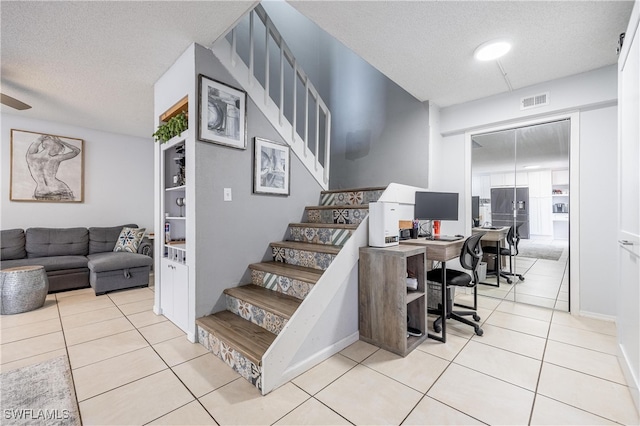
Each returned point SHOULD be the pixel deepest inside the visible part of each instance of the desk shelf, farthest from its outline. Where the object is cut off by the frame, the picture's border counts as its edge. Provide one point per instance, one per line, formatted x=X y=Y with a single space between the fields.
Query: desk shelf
x=384 y=301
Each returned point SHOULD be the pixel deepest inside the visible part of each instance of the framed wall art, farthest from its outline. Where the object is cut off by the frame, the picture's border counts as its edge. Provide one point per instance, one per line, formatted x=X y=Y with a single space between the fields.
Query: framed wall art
x=46 y=168
x=271 y=169
x=222 y=114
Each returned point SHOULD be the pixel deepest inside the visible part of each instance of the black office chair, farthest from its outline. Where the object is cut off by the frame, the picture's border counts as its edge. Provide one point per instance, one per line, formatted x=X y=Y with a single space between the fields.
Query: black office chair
x=470 y=257
x=513 y=238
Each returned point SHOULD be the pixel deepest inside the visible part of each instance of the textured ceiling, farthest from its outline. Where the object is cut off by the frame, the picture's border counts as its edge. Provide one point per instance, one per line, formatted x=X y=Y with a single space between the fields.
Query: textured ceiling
x=93 y=64
x=427 y=47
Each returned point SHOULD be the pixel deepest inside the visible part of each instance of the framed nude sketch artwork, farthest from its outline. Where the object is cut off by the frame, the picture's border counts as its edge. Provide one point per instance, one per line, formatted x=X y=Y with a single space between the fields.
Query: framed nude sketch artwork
x=46 y=168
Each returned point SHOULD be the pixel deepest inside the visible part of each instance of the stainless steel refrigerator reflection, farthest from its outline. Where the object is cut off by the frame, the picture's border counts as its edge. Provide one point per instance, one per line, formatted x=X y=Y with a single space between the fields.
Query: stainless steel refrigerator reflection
x=503 y=203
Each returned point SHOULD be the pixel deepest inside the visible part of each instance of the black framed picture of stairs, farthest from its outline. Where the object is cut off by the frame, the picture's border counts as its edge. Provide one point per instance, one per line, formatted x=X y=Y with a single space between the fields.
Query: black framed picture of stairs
x=222 y=114
x=271 y=167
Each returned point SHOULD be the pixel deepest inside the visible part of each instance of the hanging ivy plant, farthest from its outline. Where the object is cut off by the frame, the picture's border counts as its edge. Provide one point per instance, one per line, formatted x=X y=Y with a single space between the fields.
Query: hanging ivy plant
x=171 y=128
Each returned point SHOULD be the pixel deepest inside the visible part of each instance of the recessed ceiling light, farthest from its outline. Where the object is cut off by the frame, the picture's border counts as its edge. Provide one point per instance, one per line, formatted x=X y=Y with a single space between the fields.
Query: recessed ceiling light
x=536 y=166
x=492 y=50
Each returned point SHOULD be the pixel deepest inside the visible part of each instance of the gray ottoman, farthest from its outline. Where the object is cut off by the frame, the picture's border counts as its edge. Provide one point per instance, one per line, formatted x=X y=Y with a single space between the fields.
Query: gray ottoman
x=24 y=288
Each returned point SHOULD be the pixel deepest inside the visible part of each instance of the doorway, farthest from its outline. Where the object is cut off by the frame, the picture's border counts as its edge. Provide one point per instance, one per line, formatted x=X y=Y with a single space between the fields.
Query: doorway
x=520 y=180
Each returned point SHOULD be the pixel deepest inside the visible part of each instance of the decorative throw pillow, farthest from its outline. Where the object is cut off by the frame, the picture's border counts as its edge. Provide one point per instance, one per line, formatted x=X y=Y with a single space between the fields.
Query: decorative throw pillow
x=129 y=239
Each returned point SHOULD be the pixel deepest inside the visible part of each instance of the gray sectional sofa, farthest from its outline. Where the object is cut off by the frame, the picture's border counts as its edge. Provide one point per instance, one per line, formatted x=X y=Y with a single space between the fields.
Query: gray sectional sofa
x=78 y=257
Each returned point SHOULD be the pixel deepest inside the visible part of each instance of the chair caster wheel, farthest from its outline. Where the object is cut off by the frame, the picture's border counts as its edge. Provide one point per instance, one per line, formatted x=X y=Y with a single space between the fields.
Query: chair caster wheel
x=521 y=278
x=479 y=332
x=437 y=328
x=509 y=281
x=476 y=318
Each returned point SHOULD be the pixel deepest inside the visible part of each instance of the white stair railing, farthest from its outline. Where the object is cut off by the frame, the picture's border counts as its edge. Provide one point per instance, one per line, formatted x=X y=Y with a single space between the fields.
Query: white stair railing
x=248 y=59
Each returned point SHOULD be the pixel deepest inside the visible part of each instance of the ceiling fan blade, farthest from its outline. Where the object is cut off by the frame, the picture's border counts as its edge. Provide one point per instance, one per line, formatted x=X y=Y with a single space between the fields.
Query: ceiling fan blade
x=13 y=102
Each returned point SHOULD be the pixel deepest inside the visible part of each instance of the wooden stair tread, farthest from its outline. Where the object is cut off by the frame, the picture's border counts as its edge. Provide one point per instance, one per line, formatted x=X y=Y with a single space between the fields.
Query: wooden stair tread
x=248 y=338
x=320 y=248
x=300 y=273
x=340 y=207
x=281 y=304
x=324 y=225
x=334 y=191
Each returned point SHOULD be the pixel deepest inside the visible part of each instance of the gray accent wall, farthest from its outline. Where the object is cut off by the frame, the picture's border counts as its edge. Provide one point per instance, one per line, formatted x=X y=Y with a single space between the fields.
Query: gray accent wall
x=232 y=235
x=379 y=132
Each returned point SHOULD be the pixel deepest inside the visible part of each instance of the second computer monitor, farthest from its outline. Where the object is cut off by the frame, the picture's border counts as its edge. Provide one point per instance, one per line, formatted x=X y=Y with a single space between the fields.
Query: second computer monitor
x=436 y=206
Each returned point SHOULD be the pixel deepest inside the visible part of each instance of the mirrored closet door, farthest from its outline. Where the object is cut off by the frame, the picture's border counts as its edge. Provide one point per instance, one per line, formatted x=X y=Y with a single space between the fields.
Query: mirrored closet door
x=520 y=185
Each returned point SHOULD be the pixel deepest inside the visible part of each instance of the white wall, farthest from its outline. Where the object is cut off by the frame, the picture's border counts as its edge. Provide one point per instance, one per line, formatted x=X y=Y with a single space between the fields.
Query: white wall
x=594 y=95
x=598 y=207
x=590 y=89
x=118 y=180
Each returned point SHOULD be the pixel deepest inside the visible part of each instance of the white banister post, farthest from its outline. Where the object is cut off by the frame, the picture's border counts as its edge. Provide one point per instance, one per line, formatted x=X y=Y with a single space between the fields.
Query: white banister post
x=251 y=48
x=232 y=53
x=281 y=83
x=317 y=131
x=266 y=61
x=295 y=101
x=306 y=116
x=327 y=146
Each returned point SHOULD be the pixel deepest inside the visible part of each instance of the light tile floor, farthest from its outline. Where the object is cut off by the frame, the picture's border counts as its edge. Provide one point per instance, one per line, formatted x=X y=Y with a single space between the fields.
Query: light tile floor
x=546 y=282
x=532 y=366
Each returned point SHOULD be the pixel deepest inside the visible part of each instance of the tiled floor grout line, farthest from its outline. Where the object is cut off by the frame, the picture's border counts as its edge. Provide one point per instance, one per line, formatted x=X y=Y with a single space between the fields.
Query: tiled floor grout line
x=66 y=350
x=544 y=352
x=550 y=322
x=148 y=375
x=310 y=398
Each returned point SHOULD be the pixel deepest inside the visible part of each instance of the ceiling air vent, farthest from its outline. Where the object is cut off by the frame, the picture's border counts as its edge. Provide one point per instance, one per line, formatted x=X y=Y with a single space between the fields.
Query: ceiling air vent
x=534 y=101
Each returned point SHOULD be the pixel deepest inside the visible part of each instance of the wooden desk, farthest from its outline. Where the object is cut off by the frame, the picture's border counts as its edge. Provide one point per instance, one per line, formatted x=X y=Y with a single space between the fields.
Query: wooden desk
x=441 y=251
x=497 y=235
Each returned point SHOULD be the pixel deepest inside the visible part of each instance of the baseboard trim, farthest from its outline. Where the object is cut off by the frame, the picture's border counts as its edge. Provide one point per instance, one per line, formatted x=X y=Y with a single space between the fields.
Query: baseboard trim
x=304 y=365
x=597 y=316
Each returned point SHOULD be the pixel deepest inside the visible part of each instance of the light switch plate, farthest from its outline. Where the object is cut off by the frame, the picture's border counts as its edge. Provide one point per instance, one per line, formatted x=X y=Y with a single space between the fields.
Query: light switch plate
x=227 y=194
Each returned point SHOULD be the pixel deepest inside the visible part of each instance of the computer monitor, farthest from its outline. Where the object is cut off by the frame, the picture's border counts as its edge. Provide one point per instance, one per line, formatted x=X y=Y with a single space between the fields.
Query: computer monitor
x=436 y=206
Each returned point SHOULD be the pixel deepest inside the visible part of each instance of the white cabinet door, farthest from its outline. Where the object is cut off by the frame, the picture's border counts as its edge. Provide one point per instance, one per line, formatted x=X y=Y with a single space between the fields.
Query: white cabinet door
x=534 y=184
x=546 y=215
x=497 y=180
x=510 y=179
x=166 y=288
x=560 y=177
x=174 y=292
x=545 y=183
x=522 y=179
x=486 y=187
x=476 y=186
x=181 y=296
x=534 y=215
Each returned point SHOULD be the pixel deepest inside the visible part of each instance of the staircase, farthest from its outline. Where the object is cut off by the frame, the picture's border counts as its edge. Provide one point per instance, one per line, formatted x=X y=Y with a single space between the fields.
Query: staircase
x=261 y=311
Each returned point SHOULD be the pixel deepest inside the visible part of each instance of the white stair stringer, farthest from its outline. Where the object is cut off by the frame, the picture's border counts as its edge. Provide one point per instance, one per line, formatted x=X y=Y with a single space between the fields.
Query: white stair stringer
x=305 y=322
x=222 y=49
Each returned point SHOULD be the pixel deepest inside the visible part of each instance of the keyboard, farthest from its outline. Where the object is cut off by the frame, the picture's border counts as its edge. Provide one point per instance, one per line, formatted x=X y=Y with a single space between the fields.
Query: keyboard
x=492 y=227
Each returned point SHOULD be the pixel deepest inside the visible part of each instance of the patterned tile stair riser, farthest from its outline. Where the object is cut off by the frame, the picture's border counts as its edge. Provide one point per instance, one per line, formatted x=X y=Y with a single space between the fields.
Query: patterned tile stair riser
x=308 y=259
x=336 y=237
x=350 y=198
x=282 y=284
x=265 y=319
x=234 y=359
x=337 y=215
